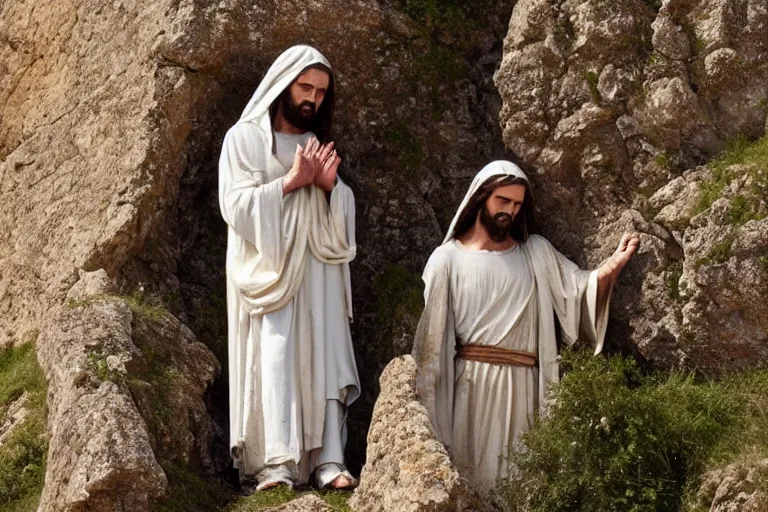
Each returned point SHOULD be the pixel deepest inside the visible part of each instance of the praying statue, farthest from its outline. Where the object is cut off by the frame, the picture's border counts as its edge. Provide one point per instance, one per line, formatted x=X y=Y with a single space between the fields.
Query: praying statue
x=486 y=343
x=291 y=222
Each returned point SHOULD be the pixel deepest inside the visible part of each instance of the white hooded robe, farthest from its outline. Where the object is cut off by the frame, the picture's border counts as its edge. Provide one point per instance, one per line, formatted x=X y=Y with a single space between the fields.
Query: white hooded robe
x=288 y=291
x=505 y=299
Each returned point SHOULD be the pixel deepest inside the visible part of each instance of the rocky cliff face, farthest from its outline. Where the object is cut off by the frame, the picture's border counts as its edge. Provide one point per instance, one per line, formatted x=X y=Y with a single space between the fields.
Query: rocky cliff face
x=112 y=119
x=610 y=104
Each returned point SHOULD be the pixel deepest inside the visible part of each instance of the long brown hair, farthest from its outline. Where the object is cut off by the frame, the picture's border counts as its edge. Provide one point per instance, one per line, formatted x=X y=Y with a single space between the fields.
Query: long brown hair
x=324 y=117
x=524 y=223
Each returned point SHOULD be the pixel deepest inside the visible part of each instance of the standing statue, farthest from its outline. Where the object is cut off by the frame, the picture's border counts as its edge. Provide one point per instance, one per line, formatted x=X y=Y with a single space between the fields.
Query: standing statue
x=292 y=371
x=485 y=344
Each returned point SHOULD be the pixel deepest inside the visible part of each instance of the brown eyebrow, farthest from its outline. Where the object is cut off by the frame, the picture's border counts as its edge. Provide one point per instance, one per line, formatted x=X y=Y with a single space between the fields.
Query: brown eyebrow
x=310 y=85
x=508 y=199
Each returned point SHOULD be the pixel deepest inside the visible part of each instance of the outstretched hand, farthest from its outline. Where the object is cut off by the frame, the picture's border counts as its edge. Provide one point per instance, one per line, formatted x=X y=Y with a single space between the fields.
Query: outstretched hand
x=618 y=260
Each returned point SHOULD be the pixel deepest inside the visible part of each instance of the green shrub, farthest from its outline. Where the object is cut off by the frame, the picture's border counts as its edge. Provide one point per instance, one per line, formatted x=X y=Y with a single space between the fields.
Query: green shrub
x=618 y=440
x=23 y=452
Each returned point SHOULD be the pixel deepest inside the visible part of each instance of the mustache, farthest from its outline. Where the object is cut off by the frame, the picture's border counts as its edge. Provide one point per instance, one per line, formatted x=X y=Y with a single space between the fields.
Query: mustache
x=307 y=104
x=502 y=217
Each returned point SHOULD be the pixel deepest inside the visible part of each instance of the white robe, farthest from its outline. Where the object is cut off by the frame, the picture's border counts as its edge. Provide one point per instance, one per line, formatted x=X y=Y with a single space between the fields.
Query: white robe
x=289 y=305
x=504 y=299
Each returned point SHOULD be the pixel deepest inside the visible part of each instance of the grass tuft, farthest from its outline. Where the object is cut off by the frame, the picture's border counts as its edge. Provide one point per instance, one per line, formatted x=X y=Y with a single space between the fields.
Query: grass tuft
x=336 y=500
x=188 y=492
x=23 y=452
x=744 y=207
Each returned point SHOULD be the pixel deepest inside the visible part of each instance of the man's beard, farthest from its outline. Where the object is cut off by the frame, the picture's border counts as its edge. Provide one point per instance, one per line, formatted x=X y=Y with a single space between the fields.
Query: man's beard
x=499 y=227
x=302 y=116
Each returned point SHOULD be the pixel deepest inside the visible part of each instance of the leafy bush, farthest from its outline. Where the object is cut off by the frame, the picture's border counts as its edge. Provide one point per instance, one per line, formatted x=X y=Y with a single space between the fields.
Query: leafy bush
x=23 y=452
x=616 y=439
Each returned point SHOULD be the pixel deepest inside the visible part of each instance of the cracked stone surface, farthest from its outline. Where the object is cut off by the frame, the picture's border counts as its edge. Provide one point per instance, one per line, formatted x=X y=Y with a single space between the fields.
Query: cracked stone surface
x=735 y=488
x=408 y=468
x=612 y=107
x=126 y=389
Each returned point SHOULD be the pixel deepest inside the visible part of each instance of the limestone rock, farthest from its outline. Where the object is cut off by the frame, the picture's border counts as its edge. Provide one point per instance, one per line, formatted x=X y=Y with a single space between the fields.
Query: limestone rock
x=614 y=107
x=13 y=414
x=669 y=38
x=676 y=201
x=100 y=457
x=91 y=284
x=735 y=488
x=126 y=388
x=407 y=468
x=725 y=282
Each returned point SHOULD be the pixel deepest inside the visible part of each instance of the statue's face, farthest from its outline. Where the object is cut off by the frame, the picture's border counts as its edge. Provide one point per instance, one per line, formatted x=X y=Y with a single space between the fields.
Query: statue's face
x=507 y=199
x=500 y=209
x=308 y=92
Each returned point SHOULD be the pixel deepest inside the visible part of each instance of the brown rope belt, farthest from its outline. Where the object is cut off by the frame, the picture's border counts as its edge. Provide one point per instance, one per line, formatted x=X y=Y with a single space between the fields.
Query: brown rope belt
x=495 y=355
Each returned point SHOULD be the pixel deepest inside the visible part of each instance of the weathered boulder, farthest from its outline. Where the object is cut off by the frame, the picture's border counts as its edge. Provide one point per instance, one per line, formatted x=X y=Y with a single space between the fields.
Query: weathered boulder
x=126 y=389
x=100 y=456
x=12 y=415
x=608 y=105
x=82 y=164
x=408 y=468
x=735 y=488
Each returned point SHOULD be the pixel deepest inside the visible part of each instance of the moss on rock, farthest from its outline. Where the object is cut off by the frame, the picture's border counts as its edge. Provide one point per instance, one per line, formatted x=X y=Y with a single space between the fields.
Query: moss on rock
x=750 y=203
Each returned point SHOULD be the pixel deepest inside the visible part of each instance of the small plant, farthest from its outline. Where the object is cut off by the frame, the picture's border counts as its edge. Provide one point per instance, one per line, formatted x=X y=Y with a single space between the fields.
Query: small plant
x=743 y=210
x=663 y=160
x=141 y=306
x=592 y=79
x=98 y=363
x=188 y=492
x=616 y=439
x=673 y=281
x=711 y=189
x=738 y=151
x=720 y=252
x=764 y=264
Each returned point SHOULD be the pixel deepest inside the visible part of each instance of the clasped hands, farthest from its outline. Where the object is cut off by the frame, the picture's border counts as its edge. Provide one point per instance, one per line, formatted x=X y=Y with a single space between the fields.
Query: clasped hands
x=314 y=164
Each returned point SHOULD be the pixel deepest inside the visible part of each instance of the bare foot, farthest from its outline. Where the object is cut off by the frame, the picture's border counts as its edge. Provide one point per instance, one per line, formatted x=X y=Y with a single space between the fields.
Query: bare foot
x=272 y=485
x=341 y=482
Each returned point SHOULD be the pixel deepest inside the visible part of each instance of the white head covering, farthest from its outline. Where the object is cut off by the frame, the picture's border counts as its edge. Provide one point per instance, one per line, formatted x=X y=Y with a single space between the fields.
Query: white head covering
x=286 y=68
x=495 y=169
